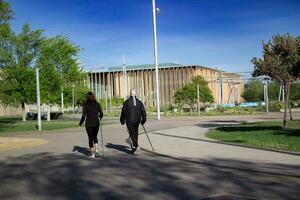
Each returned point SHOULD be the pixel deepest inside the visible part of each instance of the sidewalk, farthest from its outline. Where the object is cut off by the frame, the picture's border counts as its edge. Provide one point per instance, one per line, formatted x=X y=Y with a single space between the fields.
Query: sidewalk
x=12 y=143
x=191 y=144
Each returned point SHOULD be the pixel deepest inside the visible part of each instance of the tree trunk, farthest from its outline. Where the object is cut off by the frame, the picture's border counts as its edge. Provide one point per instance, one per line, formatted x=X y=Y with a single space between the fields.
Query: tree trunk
x=289 y=103
x=48 y=112
x=286 y=86
x=23 y=112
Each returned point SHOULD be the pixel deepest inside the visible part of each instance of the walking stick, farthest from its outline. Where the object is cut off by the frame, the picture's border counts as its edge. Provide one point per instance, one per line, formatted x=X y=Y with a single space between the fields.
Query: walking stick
x=148 y=138
x=102 y=139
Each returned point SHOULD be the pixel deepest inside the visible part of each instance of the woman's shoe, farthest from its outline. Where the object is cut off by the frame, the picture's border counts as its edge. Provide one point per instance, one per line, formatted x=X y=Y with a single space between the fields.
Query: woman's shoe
x=92 y=155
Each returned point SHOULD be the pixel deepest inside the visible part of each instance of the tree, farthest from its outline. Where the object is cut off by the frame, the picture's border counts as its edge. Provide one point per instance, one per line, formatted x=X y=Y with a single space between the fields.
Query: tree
x=295 y=92
x=80 y=95
x=6 y=13
x=58 y=68
x=205 y=93
x=254 y=91
x=50 y=79
x=179 y=99
x=273 y=90
x=281 y=61
x=188 y=93
x=17 y=56
x=66 y=57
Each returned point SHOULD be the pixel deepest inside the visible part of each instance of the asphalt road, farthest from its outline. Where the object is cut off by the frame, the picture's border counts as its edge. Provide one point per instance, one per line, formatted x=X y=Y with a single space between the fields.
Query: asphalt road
x=60 y=169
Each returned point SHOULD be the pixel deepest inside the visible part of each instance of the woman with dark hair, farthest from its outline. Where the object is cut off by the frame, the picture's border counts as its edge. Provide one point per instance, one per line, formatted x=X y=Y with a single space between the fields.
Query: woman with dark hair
x=91 y=112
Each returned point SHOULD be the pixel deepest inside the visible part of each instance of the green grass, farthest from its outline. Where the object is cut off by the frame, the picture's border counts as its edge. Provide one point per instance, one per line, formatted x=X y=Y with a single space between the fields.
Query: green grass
x=14 y=125
x=268 y=135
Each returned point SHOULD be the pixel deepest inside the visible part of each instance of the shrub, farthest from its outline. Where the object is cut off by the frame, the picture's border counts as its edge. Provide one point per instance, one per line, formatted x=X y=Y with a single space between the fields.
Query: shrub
x=275 y=106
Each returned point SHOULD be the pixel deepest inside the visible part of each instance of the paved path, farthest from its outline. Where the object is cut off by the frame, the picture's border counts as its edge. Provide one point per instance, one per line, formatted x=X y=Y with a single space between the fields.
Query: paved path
x=61 y=170
x=190 y=143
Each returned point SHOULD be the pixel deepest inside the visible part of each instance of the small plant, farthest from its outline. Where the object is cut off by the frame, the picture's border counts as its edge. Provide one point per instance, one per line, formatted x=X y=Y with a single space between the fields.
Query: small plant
x=275 y=106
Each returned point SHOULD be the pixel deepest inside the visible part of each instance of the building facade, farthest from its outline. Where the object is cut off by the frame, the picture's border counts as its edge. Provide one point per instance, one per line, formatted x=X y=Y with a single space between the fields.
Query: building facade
x=116 y=82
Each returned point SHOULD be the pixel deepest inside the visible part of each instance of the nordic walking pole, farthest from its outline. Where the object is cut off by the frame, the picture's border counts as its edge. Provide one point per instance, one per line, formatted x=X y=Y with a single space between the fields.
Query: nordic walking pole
x=102 y=139
x=148 y=137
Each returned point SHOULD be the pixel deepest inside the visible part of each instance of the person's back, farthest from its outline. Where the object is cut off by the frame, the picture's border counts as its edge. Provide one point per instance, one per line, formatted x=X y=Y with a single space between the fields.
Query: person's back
x=92 y=111
x=133 y=113
x=90 y=114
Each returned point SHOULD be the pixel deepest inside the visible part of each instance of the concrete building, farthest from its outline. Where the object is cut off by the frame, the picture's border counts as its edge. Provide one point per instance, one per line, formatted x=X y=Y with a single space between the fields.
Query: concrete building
x=116 y=82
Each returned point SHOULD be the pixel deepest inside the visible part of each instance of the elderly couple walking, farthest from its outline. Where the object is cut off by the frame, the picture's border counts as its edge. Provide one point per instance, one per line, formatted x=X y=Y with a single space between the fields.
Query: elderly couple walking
x=133 y=113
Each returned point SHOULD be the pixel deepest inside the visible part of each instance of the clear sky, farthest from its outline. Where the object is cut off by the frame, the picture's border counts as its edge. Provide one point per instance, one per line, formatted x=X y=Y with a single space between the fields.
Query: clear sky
x=204 y=32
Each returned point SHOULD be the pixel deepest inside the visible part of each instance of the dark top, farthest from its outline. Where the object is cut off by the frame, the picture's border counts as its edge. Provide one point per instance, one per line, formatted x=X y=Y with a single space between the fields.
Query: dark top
x=133 y=114
x=91 y=113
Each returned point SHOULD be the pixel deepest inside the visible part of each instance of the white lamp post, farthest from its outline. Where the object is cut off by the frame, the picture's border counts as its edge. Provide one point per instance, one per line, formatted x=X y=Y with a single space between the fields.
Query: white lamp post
x=124 y=77
x=155 y=59
x=38 y=99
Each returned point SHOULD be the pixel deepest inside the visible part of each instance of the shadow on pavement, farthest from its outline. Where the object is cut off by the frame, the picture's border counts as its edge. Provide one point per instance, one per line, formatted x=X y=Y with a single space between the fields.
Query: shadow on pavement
x=83 y=150
x=229 y=128
x=69 y=176
x=228 y=197
x=228 y=121
x=219 y=123
x=118 y=147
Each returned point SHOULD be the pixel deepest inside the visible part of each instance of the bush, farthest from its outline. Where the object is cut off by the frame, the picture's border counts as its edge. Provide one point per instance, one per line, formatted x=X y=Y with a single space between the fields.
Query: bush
x=114 y=102
x=234 y=110
x=275 y=106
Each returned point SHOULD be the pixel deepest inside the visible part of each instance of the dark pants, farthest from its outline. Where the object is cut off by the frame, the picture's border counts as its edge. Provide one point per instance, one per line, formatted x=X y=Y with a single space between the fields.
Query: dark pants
x=92 y=133
x=134 y=132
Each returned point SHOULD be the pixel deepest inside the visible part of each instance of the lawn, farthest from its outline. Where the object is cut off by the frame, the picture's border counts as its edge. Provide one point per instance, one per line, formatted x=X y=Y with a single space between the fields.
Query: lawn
x=268 y=135
x=11 y=125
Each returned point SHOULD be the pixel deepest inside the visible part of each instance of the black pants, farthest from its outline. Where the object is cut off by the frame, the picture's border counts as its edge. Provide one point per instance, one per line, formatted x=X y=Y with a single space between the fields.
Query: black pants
x=134 y=132
x=92 y=133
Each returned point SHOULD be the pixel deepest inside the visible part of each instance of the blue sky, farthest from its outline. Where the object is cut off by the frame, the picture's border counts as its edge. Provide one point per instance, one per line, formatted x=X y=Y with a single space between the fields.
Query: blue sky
x=205 y=32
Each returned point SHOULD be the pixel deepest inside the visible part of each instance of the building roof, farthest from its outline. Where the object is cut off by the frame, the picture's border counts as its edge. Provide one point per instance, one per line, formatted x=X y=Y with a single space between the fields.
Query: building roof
x=143 y=67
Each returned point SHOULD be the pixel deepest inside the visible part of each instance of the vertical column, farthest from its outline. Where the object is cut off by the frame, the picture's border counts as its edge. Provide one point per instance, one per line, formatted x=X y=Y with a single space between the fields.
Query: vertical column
x=168 y=86
x=92 y=82
x=161 y=82
x=103 y=86
x=172 y=85
x=143 y=85
x=182 y=76
x=111 y=85
x=109 y=90
x=100 y=85
x=151 y=86
x=117 y=84
x=95 y=87
x=114 y=84
x=215 y=94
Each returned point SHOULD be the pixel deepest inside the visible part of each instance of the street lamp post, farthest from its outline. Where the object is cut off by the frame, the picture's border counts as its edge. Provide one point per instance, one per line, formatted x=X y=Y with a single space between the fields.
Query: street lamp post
x=155 y=59
x=62 y=92
x=124 y=77
x=38 y=98
x=73 y=99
